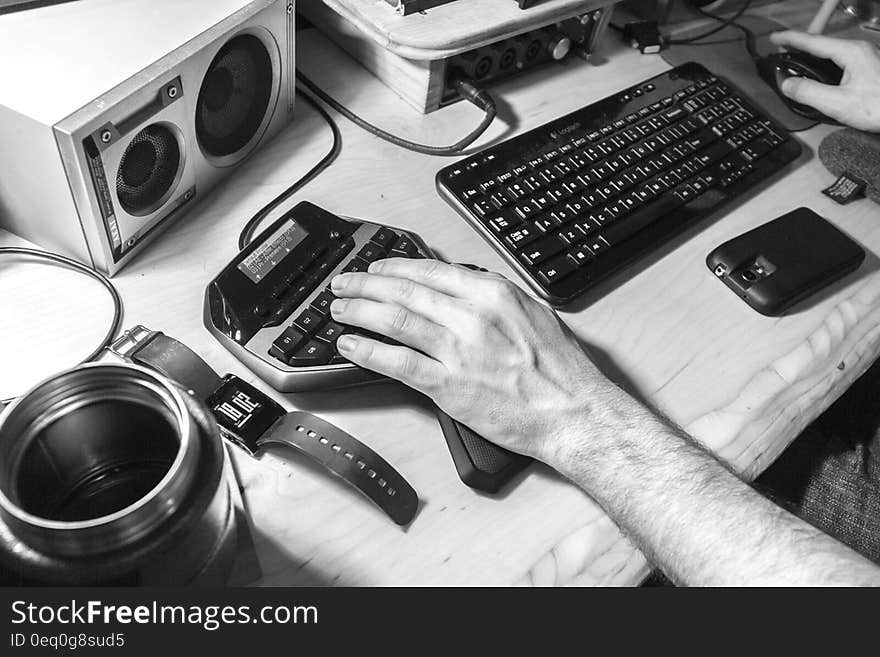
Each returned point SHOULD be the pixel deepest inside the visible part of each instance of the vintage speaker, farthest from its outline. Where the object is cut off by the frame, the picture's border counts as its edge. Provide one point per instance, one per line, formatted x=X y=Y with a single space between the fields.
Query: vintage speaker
x=116 y=116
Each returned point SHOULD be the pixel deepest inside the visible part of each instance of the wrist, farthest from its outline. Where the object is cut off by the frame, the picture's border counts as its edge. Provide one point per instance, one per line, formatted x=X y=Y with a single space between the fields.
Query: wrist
x=598 y=432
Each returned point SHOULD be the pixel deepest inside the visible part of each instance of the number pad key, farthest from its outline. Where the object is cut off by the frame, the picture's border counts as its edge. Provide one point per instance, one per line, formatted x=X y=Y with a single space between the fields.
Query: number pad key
x=308 y=320
x=286 y=344
x=321 y=303
x=404 y=248
x=313 y=353
x=356 y=265
x=384 y=238
x=330 y=332
x=370 y=253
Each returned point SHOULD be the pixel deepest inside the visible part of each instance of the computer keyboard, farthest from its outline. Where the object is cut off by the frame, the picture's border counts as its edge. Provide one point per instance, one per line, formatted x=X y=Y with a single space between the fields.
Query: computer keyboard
x=574 y=200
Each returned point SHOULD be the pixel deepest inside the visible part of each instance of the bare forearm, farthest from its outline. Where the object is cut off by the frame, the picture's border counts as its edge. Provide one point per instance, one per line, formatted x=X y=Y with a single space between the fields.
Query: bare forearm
x=693 y=517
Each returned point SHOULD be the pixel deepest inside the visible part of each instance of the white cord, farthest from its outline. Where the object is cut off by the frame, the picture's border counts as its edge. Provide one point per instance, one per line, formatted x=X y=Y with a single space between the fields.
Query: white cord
x=820 y=20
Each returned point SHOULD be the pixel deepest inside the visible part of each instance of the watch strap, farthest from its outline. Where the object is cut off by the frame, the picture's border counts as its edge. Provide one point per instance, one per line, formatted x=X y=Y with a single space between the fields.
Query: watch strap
x=170 y=357
x=348 y=458
x=339 y=452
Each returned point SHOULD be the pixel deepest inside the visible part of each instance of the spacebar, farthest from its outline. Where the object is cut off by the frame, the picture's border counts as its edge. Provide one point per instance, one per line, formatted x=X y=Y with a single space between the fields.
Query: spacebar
x=640 y=219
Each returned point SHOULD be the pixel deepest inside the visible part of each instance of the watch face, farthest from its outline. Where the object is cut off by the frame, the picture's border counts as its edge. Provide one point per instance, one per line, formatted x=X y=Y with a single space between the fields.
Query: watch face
x=243 y=412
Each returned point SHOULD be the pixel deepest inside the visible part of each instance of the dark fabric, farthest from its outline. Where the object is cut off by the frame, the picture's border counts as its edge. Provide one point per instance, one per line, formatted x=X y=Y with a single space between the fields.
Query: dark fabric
x=830 y=474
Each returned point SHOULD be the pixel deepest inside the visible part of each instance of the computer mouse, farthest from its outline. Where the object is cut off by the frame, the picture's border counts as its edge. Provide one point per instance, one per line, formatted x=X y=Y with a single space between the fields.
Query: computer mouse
x=776 y=67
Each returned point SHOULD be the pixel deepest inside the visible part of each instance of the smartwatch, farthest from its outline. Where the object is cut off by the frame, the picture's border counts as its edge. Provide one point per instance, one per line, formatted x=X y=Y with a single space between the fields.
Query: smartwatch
x=251 y=420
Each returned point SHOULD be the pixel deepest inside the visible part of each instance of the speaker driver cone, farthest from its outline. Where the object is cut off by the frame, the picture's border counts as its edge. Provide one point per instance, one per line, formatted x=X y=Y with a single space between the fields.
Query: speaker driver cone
x=234 y=96
x=148 y=169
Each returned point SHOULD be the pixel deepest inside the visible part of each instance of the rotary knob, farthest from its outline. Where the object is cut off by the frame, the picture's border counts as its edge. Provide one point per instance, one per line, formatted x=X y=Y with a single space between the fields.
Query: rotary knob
x=559 y=46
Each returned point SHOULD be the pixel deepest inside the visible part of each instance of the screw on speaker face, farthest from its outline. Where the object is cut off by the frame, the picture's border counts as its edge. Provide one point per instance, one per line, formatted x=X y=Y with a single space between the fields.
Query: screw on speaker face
x=171 y=91
x=289 y=9
x=106 y=136
x=188 y=195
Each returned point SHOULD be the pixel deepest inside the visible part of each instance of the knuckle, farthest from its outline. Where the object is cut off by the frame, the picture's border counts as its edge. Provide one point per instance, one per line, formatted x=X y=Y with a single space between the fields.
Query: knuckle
x=404 y=289
x=406 y=365
x=400 y=321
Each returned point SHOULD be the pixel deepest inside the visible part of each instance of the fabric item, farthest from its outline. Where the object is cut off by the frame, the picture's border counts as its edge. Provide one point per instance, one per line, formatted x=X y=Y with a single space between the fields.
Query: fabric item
x=854 y=152
x=830 y=475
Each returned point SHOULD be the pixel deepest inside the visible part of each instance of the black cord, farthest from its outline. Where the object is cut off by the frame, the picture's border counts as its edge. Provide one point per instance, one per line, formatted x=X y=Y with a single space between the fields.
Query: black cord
x=247 y=232
x=466 y=90
x=88 y=271
x=724 y=22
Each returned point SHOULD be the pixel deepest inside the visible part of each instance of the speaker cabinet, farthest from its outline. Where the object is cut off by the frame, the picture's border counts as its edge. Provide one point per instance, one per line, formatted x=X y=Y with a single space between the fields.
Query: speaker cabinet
x=116 y=116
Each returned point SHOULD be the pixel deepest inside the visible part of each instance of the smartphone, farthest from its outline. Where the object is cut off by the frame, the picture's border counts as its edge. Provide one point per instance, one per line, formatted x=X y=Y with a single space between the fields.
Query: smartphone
x=774 y=266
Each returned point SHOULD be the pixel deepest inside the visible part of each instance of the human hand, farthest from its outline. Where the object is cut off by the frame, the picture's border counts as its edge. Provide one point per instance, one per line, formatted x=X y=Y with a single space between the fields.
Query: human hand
x=856 y=100
x=487 y=354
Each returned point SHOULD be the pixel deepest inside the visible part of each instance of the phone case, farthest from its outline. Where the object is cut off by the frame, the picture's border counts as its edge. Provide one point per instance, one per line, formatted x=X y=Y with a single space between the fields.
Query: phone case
x=774 y=266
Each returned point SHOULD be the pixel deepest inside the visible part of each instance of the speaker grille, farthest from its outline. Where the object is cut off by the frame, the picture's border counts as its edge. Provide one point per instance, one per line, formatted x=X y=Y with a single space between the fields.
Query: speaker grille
x=234 y=96
x=147 y=170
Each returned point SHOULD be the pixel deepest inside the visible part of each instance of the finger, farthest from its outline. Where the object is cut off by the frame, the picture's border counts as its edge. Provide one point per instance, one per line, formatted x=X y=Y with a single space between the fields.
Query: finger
x=841 y=51
x=453 y=280
x=828 y=99
x=435 y=306
x=394 y=321
x=401 y=363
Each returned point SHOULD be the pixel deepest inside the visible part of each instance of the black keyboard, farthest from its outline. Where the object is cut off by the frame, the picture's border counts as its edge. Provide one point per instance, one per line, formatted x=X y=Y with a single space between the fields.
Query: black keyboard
x=578 y=198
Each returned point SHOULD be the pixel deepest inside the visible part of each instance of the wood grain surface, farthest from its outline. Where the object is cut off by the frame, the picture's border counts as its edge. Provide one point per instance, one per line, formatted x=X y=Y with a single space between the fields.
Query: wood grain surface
x=743 y=384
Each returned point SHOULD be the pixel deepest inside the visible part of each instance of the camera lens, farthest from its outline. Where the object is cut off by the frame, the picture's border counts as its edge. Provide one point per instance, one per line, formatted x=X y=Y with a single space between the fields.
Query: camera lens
x=749 y=276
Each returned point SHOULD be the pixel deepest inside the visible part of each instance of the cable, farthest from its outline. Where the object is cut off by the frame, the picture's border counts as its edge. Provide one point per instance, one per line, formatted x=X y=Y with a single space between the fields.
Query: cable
x=88 y=271
x=725 y=22
x=247 y=232
x=466 y=89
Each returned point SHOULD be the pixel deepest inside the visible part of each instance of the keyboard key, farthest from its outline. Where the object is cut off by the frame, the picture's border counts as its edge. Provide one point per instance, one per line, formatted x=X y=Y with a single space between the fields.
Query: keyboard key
x=539 y=250
x=384 y=237
x=330 y=332
x=521 y=236
x=308 y=320
x=556 y=270
x=315 y=352
x=405 y=246
x=503 y=224
x=356 y=265
x=579 y=255
x=370 y=252
x=321 y=303
x=483 y=207
x=286 y=344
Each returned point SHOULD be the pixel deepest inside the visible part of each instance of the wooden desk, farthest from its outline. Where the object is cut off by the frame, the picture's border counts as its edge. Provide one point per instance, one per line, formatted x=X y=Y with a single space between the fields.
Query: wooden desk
x=743 y=384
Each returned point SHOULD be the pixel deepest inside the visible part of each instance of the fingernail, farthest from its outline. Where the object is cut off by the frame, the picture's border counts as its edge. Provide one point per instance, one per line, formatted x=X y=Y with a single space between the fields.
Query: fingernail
x=345 y=343
x=786 y=85
x=339 y=282
x=375 y=267
x=338 y=306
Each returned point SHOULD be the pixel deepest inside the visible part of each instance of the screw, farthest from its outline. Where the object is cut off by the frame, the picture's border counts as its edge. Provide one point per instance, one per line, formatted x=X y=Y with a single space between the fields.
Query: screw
x=171 y=91
x=188 y=195
x=106 y=136
x=290 y=9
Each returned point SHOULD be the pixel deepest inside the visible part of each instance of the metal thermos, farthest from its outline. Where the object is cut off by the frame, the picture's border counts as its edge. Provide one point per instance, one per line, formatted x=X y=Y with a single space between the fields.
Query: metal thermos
x=112 y=474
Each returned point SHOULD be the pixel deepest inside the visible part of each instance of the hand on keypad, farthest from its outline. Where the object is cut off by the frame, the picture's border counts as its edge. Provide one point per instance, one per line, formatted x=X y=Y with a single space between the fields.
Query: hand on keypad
x=310 y=339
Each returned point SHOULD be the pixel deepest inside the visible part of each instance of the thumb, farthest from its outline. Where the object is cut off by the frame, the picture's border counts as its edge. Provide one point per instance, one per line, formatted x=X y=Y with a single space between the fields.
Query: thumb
x=826 y=98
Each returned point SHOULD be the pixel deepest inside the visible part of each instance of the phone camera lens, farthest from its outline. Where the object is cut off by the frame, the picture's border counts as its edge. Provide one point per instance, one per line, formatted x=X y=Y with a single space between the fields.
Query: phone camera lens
x=749 y=276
